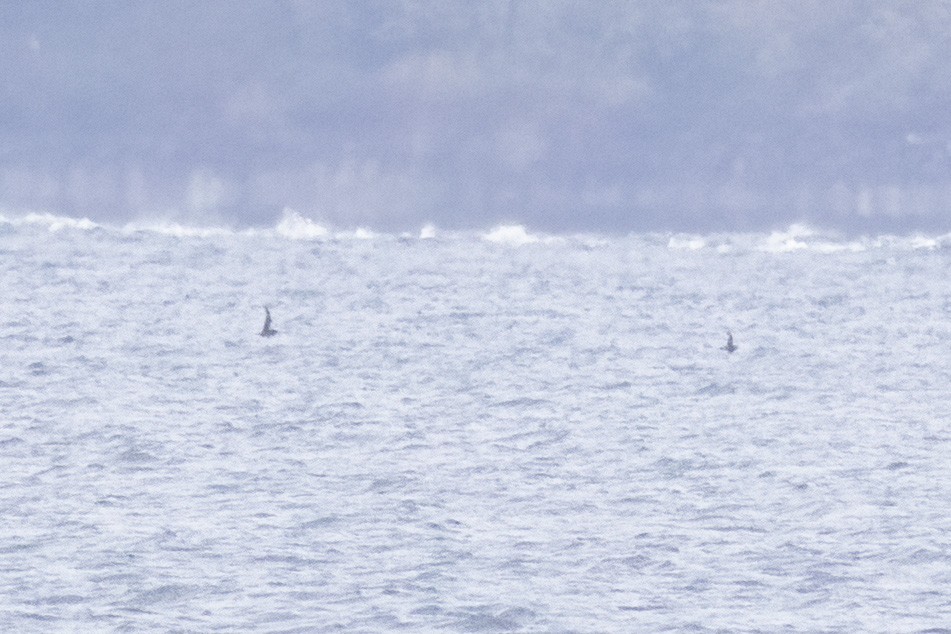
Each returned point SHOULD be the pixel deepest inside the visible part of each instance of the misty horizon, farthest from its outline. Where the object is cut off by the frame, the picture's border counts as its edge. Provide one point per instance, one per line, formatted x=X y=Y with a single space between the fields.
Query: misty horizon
x=720 y=116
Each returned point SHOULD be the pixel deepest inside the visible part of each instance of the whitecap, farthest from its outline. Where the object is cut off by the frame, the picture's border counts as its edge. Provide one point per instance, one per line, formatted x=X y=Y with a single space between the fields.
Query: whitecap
x=54 y=222
x=838 y=247
x=296 y=227
x=690 y=243
x=175 y=230
x=360 y=233
x=515 y=235
x=923 y=242
x=789 y=240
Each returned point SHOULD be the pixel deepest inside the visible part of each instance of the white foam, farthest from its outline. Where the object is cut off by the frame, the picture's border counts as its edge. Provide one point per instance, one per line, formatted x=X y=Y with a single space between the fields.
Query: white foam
x=360 y=233
x=690 y=243
x=52 y=221
x=789 y=240
x=176 y=230
x=296 y=227
x=364 y=234
x=838 y=247
x=514 y=235
x=923 y=242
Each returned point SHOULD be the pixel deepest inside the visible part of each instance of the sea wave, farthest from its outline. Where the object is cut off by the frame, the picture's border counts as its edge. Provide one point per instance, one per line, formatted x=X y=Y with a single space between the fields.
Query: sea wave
x=517 y=235
x=466 y=428
x=175 y=229
x=803 y=238
x=49 y=220
x=292 y=225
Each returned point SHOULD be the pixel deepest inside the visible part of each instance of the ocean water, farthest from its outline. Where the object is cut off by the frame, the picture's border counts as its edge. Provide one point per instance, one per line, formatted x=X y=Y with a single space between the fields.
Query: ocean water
x=467 y=432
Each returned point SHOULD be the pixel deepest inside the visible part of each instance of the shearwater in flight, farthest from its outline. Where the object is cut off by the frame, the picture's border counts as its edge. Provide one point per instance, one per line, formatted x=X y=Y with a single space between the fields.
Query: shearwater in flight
x=729 y=347
x=267 y=331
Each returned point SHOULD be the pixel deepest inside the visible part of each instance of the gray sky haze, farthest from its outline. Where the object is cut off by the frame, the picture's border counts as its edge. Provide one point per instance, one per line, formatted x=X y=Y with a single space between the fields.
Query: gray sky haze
x=597 y=116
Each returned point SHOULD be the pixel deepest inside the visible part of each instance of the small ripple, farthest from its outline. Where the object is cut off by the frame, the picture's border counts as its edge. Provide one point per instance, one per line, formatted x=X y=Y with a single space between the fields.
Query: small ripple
x=19 y=548
x=321 y=522
x=716 y=389
x=168 y=593
x=38 y=368
x=384 y=485
x=895 y=466
x=484 y=619
x=522 y=402
x=641 y=608
x=298 y=563
x=136 y=456
x=59 y=599
x=33 y=616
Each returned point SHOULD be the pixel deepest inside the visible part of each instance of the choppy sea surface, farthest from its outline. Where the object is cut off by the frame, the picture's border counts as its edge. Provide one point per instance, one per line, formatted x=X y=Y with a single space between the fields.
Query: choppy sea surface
x=465 y=432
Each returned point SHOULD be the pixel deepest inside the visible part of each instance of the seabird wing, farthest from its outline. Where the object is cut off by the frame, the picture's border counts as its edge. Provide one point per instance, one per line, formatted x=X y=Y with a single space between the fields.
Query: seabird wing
x=267 y=331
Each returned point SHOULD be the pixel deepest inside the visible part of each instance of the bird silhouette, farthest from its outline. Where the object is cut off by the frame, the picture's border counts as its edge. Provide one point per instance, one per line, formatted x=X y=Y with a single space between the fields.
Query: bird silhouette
x=267 y=331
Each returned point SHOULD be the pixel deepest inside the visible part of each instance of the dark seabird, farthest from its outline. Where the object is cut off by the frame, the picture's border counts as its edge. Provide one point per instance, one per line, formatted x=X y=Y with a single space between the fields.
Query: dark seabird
x=729 y=347
x=267 y=331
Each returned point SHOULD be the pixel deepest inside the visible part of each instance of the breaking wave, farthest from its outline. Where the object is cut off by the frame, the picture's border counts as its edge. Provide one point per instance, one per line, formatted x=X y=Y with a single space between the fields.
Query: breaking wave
x=293 y=225
x=48 y=220
x=296 y=227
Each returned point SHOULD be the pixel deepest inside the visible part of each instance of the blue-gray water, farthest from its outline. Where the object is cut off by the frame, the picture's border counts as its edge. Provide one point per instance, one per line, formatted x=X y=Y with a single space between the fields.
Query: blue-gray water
x=472 y=433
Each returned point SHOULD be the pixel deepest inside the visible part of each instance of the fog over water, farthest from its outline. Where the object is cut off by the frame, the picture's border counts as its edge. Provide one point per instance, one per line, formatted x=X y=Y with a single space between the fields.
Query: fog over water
x=715 y=115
